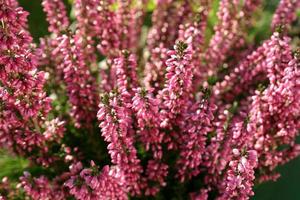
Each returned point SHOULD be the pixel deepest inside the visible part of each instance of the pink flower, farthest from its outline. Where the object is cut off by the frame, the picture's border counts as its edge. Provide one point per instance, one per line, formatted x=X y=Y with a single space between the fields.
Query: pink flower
x=179 y=79
x=146 y=110
x=125 y=68
x=24 y=104
x=40 y=188
x=166 y=20
x=56 y=15
x=116 y=126
x=130 y=21
x=228 y=35
x=194 y=35
x=285 y=13
x=92 y=183
x=240 y=176
x=197 y=125
x=85 y=12
x=175 y=96
x=202 y=195
x=276 y=104
x=243 y=76
x=155 y=69
x=103 y=25
x=81 y=85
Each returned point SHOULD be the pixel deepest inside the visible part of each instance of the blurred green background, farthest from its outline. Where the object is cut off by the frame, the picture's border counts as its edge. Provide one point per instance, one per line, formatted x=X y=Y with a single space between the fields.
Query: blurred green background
x=287 y=187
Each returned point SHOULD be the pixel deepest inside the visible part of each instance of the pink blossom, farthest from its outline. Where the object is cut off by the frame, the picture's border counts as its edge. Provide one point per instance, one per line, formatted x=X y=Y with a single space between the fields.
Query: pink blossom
x=243 y=76
x=156 y=175
x=166 y=19
x=179 y=79
x=155 y=69
x=240 y=175
x=146 y=108
x=228 y=35
x=92 y=183
x=198 y=123
x=24 y=104
x=194 y=35
x=130 y=19
x=84 y=12
x=125 y=69
x=116 y=126
x=56 y=15
x=81 y=85
x=285 y=13
x=104 y=27
x=275 y=104
x=175 y=95
x=40 y=188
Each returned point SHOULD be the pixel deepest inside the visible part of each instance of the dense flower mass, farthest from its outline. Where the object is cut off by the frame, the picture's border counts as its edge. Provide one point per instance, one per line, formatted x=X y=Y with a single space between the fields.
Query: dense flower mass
x=148 y=99
x=24 y=104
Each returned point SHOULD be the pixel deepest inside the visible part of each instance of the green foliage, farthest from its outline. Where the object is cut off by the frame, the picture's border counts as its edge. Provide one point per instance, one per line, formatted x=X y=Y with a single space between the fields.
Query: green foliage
x=151 y=5
x=11 y=166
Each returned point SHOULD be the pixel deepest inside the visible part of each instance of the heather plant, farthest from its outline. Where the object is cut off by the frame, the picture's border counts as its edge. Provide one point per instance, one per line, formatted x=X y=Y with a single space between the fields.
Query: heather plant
x=145 y=99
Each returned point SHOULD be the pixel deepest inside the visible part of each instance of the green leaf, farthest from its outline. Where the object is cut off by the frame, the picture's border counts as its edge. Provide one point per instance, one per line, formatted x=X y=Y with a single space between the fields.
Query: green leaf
x=11 y=166
x=151 y=5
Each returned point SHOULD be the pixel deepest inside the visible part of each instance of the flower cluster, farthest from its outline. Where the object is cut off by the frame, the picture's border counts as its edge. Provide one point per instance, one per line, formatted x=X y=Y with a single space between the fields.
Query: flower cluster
x=24 y=103
x=40 y=188
x=285 y=13
x=228 y=34
x=116 y=124
x=111 y=106
x=80 y=84
x=90 y=183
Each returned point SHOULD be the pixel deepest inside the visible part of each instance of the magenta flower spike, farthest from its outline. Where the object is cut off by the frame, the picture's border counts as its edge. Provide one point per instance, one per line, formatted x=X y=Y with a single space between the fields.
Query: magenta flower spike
x=285 y=13
x=56 y=15
x=116 y=126
x=80 y=84
x=24 y=104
